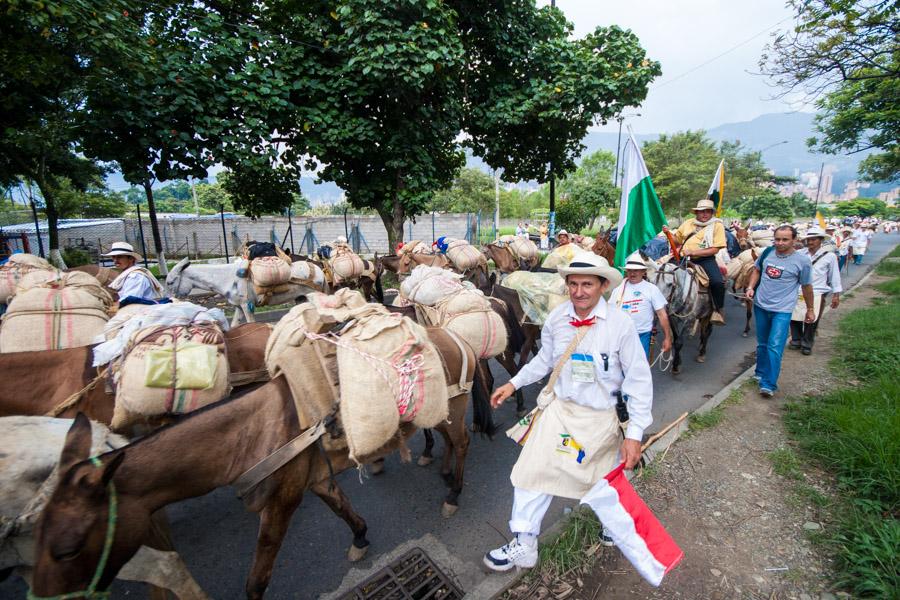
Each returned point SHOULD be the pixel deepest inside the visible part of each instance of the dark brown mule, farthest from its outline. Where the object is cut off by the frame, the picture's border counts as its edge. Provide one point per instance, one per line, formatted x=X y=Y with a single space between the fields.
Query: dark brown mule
x=522 y=338
x=225 y=439
x=36 y=383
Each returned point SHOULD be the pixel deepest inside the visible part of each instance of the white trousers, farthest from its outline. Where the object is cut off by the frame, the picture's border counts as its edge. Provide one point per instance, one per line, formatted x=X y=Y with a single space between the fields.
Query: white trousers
x=529 y=508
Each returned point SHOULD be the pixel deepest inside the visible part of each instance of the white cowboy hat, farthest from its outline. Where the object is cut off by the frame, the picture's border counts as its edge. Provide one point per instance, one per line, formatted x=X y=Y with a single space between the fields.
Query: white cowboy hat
x=635 y=262
x=814 y=232
x=561 y=232
x=588 y=263
x=123 y=249
x=704 y=204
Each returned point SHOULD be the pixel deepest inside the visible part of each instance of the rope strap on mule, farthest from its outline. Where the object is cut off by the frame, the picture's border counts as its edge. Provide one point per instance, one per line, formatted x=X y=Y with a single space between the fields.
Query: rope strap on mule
x=75 y=398
x=91 y=592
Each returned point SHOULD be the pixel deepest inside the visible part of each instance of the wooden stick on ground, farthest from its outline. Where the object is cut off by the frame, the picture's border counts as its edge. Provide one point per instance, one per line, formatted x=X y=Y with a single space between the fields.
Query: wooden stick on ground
x=663 y=432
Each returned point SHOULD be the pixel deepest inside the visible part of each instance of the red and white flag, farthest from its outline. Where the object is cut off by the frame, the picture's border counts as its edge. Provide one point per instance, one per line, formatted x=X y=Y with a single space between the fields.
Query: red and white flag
x=633 y=527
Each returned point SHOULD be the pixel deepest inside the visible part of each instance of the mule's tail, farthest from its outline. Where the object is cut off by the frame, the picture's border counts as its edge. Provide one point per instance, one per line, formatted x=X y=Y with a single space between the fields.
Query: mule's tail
x=482 y=385
x=379 y=271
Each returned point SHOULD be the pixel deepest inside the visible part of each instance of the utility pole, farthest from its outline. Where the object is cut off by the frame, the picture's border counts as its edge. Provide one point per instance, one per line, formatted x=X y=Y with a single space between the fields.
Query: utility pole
x=819 y=188
x=551 y=225
x=496 y=202
x=619 y=118
x=194 y=194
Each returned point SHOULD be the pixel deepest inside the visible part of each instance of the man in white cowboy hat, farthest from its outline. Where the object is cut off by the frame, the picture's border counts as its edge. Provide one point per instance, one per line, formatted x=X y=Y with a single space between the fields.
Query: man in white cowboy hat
x=562 y=237
x=826 y=279
x=597 y=362
x=135 y=284
x=641 y=300
x=701 y=238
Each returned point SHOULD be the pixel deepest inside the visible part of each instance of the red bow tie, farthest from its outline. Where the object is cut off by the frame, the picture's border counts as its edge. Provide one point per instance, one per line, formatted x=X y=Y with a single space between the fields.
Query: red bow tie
x=584 y=323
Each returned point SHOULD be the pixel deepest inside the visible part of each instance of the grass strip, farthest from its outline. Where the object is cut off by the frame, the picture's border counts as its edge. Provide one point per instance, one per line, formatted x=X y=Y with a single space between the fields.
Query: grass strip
x=854 y=433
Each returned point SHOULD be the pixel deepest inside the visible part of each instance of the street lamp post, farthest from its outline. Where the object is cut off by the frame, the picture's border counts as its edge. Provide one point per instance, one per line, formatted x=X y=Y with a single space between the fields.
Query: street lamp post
x=620 y=117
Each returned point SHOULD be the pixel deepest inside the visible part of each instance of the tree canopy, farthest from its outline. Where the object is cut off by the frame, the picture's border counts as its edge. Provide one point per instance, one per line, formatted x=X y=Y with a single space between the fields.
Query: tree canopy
x=845 y=55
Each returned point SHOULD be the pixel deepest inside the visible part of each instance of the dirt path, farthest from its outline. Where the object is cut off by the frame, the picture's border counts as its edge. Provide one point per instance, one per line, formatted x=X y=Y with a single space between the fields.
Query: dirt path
x=722 y=493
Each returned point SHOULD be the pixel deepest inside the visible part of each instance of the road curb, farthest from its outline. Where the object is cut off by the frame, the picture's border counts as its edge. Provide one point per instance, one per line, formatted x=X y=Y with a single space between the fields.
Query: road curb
x=501 y=583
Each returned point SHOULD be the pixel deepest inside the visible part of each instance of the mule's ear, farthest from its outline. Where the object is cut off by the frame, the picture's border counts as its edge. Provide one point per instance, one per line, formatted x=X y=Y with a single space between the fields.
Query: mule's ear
x=109 y=469
x=78 y=443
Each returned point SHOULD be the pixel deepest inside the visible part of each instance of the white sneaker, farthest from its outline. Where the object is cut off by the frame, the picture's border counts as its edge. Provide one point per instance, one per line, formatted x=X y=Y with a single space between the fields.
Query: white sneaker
x=605 y=538
x=513 y=554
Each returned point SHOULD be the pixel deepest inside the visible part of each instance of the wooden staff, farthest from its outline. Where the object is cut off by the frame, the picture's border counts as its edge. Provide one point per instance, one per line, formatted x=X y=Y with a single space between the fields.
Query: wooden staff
x=675 y=254
x=663 y=432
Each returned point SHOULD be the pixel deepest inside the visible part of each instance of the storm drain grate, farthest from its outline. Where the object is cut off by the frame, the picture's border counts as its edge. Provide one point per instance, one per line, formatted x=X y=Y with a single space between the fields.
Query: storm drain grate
x=413 y=576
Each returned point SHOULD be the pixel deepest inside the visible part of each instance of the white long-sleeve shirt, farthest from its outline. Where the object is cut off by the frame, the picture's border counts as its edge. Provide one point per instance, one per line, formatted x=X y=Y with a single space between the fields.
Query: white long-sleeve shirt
x=627 y=370
x=138 y=285
x=826 y=276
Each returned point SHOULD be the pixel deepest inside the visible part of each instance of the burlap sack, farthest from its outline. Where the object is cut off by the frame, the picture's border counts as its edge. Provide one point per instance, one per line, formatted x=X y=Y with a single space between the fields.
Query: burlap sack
x=269 y=271
x=68 y=311
x=390 y=372
x=463 y=255
x=468 y=314
x=16 y=268
x=345 y=264
x=135 y=401
x=762 y=238
x=430 y=285
x=520 y=247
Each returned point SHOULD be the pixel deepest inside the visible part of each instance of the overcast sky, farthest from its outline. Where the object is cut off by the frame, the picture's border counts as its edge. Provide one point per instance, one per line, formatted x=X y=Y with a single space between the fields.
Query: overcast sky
x=682 y=35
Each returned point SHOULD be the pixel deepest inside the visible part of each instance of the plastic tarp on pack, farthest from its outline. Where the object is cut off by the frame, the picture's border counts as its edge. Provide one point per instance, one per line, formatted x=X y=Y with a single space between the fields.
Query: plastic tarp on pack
x=539 y=293
x=561 y=256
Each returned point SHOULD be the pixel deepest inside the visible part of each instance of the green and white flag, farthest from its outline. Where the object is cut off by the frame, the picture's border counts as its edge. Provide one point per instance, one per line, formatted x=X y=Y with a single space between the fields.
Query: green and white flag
x=717 y=188
x=640 y=214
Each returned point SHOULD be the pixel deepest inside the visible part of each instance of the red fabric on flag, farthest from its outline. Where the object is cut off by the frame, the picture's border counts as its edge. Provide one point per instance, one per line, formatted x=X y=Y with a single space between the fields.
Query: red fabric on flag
x=648 y=527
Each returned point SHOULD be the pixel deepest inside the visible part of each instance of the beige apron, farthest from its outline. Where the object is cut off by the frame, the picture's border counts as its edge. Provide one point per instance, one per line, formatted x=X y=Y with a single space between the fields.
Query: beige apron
x=549 y=461
x=799 y=313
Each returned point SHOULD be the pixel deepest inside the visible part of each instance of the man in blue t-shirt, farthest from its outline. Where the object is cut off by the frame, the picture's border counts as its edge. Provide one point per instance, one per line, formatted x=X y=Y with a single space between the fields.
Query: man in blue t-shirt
x=781 y=274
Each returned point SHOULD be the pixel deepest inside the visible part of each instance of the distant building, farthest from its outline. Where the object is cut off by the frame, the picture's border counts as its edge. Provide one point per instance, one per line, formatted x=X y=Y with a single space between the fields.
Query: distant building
x=890 y=197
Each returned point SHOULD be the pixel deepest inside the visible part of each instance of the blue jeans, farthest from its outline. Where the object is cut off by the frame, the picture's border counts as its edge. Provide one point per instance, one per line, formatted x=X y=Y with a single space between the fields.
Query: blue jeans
x=645 y=341
x=857 y=259
x=842 y=260
x=772 y=329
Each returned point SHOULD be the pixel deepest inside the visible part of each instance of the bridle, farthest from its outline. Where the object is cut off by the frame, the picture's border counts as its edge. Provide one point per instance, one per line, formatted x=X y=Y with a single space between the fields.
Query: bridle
x=671 y=296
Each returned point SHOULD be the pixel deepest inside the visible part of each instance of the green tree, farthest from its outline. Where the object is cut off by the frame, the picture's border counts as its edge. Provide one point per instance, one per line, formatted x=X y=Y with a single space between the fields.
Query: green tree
x=681 y=165
x=860 y=207
x=590 y=185
x=845 y=55
x=95 y=201
x=472 y=191
x=767 y=204
x=801 y=206
x=572 y=215
x=519 y=204
x=53 y=53
x=211 y=196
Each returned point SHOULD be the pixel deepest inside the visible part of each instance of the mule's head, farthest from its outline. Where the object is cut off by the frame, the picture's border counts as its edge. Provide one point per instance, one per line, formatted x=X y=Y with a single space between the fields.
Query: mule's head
x=175 y=280
x=72 y=531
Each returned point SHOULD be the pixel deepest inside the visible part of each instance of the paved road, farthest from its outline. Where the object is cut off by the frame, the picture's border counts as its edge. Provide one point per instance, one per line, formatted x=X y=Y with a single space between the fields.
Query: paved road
x=217 y=537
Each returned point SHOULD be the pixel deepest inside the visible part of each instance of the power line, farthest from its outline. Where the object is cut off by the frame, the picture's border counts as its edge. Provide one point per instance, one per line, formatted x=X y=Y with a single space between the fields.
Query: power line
x=720 y=55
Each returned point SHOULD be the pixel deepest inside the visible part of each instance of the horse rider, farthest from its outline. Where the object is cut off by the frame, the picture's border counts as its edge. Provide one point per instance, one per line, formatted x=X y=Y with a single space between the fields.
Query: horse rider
x=826 y=279
x=597 y=362
x=562 y=238
x=641 y=300
x=781 y=272
x=701 y=238
x=135 y=284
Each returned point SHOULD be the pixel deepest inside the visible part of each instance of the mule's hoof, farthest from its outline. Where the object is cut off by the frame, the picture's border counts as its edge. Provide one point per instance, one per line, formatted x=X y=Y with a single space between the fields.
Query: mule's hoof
x=448 y=510
x=377 y=468
x=701 y=358
x=424 y=461
x=355 y=554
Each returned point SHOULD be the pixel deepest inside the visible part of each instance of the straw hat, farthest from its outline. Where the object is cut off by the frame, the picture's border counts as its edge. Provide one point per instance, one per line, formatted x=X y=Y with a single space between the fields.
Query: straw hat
x=635 y=262
x=704 y=204
x=588 y=263
x=562 y=232
x=814 y=232
x=123 y=249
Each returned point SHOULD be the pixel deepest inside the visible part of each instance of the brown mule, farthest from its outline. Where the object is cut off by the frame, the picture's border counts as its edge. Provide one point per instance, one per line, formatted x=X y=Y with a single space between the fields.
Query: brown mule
x=602 y=247
x=225 y=439
x=505 y=261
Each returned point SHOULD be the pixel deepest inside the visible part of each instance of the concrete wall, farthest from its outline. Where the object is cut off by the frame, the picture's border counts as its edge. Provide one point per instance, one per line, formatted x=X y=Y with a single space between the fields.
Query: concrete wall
x=203 y=235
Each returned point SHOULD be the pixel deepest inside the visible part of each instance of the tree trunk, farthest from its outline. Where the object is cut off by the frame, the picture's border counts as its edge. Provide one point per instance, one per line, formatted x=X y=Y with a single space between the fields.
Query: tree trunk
x=154 y=228
x=393 y=217
x=54 y=256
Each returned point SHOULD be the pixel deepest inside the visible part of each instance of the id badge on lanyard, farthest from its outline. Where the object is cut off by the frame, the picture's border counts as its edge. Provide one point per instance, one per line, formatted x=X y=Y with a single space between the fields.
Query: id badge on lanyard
x=583 y=368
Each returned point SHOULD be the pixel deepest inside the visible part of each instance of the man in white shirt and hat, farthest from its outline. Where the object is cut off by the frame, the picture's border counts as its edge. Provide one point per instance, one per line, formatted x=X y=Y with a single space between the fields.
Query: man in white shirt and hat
x=135 y=284
x=598 y=365
x=826 y=280
x=642 y=301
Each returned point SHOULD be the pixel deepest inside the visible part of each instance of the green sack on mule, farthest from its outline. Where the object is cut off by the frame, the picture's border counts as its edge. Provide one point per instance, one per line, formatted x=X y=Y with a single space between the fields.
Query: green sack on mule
x=193 y=365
